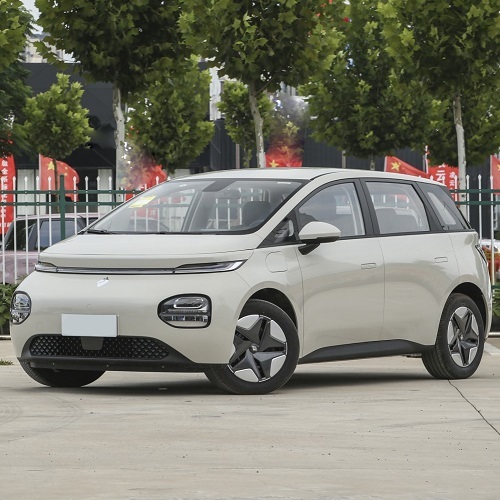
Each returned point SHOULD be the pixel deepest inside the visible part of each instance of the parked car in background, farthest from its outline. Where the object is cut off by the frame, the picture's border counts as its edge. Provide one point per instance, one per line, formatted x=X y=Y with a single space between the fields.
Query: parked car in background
x=493 y=258
x=243 y=274
x=31 y=234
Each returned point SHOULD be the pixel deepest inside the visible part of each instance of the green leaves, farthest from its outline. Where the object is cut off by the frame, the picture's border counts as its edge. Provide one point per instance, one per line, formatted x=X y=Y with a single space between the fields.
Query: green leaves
x=167 y=120
x=56 y=123
x=359 y=103
x=239 y=122
x=114 y=41
x=14 y=25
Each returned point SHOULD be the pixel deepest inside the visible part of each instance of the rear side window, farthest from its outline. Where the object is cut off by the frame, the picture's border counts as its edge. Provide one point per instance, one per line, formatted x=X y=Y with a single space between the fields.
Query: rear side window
x=398 y=208
x=450 y=217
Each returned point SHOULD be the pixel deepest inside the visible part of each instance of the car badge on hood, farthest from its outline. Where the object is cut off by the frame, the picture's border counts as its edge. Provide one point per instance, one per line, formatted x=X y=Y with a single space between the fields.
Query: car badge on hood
x=102 y=282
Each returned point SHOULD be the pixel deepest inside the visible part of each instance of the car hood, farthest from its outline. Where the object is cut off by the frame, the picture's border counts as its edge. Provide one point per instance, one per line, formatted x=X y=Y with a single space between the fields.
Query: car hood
x=148 y=250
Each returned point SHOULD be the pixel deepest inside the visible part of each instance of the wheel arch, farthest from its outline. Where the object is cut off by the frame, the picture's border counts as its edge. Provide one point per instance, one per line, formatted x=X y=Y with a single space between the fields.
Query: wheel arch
x=474 y=292
x=278 y=299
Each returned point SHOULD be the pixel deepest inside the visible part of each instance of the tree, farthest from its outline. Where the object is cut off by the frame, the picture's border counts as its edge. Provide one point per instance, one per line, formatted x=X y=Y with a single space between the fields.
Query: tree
x=13 y=95
x=481 y=119
x=359 y=103
x=168 y=119
x=14 y=26
x=115 y=42
x=451 y=46
x=239 y=121
x=56 y=123
x=263 y=43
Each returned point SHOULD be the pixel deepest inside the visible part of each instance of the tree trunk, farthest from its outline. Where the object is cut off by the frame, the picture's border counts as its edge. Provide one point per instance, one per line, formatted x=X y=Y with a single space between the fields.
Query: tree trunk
x=119 y=112
x=372 y=162
x=457 y=115
x=259 y=136
x=56 y=176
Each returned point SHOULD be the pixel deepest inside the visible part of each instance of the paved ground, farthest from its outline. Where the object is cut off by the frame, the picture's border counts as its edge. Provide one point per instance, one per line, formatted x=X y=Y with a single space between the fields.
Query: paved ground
x=362 y=429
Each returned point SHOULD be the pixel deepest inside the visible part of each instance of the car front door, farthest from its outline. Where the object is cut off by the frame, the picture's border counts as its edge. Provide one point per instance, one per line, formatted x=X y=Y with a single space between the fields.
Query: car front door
x=343 y=281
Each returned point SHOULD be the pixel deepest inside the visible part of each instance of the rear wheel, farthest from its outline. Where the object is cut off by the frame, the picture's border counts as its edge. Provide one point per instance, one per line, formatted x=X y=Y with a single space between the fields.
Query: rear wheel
x=266 y=351
x=61 y=378
x=460 y=340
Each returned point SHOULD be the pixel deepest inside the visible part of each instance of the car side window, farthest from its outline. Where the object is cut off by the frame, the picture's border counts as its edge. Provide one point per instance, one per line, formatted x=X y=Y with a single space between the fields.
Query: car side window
x=282 y=234
x=337 y=205
x=398 y=208
x=450 y=218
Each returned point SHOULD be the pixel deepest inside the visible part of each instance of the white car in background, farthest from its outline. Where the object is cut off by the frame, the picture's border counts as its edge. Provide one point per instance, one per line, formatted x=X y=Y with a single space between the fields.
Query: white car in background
x=244 y=274
x=29 y=235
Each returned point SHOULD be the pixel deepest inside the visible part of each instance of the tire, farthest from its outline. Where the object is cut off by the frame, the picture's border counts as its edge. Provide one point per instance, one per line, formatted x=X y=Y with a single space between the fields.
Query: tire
x=61 y=378
x=460 y=340
x=266 y=351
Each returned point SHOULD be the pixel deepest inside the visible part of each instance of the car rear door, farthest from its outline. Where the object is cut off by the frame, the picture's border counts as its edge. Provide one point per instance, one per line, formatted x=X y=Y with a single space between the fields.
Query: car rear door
x=420 y=263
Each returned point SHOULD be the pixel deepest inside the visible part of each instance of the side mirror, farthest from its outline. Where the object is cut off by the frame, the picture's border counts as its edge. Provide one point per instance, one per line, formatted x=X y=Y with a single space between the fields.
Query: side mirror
x=314 y=233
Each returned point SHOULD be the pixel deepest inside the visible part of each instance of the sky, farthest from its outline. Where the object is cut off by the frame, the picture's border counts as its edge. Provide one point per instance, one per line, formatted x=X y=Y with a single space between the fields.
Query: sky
x=30 y=5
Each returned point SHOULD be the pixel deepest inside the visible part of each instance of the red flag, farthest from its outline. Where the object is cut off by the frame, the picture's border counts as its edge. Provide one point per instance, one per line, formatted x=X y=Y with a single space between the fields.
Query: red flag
x=47 y=171
x=8 y=172
x=397 y=166
x=445 y=175
x=495 y=172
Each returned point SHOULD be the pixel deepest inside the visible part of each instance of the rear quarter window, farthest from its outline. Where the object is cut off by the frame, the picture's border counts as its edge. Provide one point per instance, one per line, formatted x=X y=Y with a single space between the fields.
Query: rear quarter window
x=449 y=216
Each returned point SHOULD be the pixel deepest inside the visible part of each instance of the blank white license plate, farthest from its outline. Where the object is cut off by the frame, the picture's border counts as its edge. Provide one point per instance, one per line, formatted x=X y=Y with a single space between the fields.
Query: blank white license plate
x=89 y=325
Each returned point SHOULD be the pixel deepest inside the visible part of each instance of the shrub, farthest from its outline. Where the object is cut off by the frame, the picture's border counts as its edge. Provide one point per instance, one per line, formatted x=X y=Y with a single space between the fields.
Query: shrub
x=6 y=292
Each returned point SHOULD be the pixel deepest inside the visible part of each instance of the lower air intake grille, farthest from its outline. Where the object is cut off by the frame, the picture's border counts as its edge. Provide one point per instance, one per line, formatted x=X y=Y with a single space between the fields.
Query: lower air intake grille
x=119 y=348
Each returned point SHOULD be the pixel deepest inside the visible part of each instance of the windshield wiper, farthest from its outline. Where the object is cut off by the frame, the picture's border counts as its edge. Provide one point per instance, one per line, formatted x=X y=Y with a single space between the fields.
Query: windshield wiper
x=99 y=231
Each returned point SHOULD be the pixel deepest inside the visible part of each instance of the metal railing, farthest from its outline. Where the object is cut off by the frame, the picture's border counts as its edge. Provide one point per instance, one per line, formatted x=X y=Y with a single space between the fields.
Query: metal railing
x=44 y=217
x=481 y=204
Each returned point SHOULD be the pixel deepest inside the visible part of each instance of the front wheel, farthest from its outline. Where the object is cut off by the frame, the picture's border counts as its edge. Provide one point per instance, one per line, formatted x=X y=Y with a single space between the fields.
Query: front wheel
x=61 y=378
x=460 y=340
x=266 y=351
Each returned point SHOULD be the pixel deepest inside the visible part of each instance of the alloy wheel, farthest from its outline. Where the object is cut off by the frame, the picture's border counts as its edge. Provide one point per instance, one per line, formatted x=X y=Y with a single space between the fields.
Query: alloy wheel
x=463 y=336
x=260 y=348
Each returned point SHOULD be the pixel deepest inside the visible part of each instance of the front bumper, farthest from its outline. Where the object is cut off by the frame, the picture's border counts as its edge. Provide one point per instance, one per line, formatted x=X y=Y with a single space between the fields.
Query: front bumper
x=94 y=353
x=134 y=300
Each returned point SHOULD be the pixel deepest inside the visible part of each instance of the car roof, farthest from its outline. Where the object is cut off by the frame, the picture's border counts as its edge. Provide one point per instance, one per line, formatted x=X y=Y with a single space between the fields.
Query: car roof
x=303 y=173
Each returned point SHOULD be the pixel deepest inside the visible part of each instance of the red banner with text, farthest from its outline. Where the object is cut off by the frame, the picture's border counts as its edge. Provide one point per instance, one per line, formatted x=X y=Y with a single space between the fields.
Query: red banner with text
x=8 y=172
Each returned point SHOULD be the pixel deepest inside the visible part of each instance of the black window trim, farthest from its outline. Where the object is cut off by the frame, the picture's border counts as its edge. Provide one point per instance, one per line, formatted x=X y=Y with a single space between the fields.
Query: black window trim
x=292 y=215
x=434 y=226
x=439 y=226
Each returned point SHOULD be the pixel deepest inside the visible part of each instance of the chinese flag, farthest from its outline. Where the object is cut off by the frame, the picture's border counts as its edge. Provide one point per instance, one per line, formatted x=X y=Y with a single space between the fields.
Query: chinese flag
x=48 y=171
x=397 y=166
x=495 y=172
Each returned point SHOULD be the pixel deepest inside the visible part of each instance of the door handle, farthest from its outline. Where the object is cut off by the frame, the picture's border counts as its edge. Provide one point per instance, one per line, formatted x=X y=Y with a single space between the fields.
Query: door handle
x=439 y=260
x=369 y=265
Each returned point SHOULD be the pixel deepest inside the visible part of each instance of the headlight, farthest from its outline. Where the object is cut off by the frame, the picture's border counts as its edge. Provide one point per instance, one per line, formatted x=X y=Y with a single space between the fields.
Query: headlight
x=20 y=308
x=186 y=311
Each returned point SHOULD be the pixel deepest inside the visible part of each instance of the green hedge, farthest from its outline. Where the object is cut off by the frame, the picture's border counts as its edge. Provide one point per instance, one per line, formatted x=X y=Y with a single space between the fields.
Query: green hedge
x=6 y=292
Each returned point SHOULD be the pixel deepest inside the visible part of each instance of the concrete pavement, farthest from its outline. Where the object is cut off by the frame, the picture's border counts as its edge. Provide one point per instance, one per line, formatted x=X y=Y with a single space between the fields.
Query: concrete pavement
x=365 y=429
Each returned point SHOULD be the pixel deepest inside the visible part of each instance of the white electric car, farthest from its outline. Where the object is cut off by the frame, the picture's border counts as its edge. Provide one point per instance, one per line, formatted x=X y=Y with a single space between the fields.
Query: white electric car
x=244 y=274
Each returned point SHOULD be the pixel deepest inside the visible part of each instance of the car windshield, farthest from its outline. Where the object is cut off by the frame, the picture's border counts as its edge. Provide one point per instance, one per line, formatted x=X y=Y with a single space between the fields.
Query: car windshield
x=200 y=206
